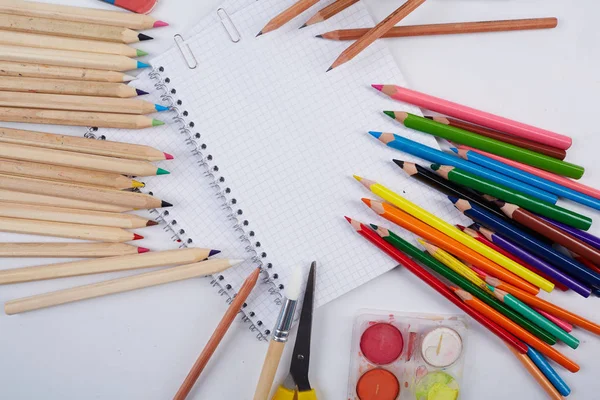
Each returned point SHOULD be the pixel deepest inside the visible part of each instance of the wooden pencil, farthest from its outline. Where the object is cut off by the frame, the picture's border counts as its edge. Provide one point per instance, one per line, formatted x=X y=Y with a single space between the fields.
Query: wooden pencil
x=69 y=29
x=118 y=285
x=451 y=28
x=78 y=160
x=15 y=196
x=77 y=118
x=80 y=14
x=287 y=15
x=71 y=87
x=19 y=69
x=327 y=12
x=107 y=264
x=67 y=174
x=74 y=216
x=376 y=32
x=126 y=199
x=217 y=336
x=68 y=250
x=78 y=144
x=66 y=58
x=29 y=39
x=64 y=230
x=78 y=103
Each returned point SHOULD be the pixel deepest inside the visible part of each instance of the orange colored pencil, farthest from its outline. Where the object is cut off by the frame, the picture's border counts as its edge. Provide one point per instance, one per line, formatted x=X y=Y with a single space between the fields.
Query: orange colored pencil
x=215 y=339
x=329 y=11
x=376 y=32
x=544 y=305
x=287 y=15
x=452 y=246
x=516 y=330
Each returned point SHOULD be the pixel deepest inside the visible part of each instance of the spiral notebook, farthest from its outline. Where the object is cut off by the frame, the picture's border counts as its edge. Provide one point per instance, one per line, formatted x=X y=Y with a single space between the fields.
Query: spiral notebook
x=265 y=144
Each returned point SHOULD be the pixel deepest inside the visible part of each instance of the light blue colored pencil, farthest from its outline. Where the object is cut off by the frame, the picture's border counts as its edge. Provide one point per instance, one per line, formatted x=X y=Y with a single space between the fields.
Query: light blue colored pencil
x=437 y=156
x=548 y=371
x=528 y=178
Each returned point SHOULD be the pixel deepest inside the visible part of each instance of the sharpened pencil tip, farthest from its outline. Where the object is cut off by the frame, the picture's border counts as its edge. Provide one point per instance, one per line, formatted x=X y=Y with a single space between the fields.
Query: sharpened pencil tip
x=160 y=171
x=329 y=69
x=140 y=92
x=168 y=156
x=159 y=108
x=378 y=87
x=159 y=24
x=143 y=37
x=399 y=163
x=140 y=53
x=390 y=114
x=142 y=65
x=435 y=167
x=303 y=26
x=376 y=135
x=137 y=237
x=259 y=33
x=366 y=201
x=156 y=122
x=128 y=78
x=165 y=204
x=453 y=199
x=358 y=178
x=142 y=250
x=137 y=184
x=348 y=219
x=454 y=149
x=213 y=252
x=374 y=227
x=151 y=223
x=319 y=36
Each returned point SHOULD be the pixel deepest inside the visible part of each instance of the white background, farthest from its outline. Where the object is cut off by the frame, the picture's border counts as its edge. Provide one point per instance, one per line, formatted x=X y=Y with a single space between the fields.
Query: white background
x=134 y=346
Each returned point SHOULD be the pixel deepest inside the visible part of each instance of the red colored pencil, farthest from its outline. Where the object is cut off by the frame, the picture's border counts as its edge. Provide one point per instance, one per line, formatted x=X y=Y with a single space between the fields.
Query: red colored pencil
x=435 y=283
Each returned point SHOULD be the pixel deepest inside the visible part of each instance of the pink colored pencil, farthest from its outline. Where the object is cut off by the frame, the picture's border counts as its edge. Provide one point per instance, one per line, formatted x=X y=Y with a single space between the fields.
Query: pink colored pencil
x=476 y=116
x=562 y=324
x=561 y=180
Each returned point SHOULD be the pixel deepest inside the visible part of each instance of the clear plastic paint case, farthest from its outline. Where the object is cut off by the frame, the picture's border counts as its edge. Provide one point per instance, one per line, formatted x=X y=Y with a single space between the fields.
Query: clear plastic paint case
x=407 y=356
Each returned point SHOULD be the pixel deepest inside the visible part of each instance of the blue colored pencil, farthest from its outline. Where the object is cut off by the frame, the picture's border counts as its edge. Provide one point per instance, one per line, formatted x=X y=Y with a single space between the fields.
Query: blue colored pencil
x=528 y=178
x=437 y=156
x=539 y=360
x=559 y=260
x=535 y=261
x=578 y=233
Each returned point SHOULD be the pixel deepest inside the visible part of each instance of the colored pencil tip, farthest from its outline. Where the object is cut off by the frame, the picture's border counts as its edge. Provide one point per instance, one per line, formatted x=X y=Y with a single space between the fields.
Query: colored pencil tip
x=140 y=53
x=140 y=92
x=137 y=237
x=165 y=204
x=390 y=114
x=461 y=227
x=348 y=219
x=491 y=288
x=358 y=178
x=161 y=108
x=454 y=149
x=399 y=163
x=319 y=36
x=329 y=69
x=376 y=135
x=142 y=37
x=366 y=201
x=159 y=24
x=213 y=252
x=142 y=65
x=160 y=171
x=428 y=116
x=378 y=87
x=375 y=227
x=137 y=184
x=168 y=156
x=303 y=26
x=259 y=33
x=142 y=250
x=453 y=199
x=435 y=167
x=151 y=223
x=156 y=122
x=128 y=78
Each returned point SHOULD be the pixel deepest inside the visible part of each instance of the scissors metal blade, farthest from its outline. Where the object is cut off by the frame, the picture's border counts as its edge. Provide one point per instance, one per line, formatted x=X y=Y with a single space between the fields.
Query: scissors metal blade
x=301 y=354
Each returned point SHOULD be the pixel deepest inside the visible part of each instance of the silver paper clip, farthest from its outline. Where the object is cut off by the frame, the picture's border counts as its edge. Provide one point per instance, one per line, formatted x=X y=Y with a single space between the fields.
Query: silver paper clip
x=186 y=52
x=232 y=31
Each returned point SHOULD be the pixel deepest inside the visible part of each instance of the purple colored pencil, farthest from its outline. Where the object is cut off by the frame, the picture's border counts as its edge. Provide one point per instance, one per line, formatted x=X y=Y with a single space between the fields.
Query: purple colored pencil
x=538 y=263
x=579 y=234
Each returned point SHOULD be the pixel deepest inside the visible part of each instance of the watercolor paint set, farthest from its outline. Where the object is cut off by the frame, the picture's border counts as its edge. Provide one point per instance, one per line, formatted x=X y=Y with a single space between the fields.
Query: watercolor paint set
x=401 y=356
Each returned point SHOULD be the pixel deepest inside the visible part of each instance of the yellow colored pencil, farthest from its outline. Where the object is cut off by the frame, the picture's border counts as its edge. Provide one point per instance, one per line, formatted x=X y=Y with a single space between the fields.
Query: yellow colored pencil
x=455 y=233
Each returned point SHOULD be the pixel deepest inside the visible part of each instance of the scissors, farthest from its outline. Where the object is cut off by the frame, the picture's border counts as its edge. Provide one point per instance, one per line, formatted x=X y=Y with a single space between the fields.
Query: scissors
x=296 y=385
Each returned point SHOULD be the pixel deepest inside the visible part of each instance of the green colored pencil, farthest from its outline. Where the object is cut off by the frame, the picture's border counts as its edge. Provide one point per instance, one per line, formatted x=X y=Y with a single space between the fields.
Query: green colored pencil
x=535 y=317
x=493 y=146
x=436 y=266
x=501 y=192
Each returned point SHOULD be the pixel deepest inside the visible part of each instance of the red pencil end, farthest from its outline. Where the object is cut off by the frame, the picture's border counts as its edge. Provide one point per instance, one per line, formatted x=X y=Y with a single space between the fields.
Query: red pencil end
x=137 y=237
x=168 y=156
x=461 y=227
x=348 y=219
x=142 y=250
x=159 y=24
x=378 y=87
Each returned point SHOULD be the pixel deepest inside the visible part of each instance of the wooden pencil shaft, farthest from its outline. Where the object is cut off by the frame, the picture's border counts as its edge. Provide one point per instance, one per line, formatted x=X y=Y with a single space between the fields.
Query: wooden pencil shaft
x=77 y=160
x=70 y=29
x=29 y=39
x=269 y=368
x=39 y=199
x=20 y=69
x=72 y=216
x=79 y=14
x=79 y=192
x=66 y=250
x=452 y=28
x=101 y=265
x=539 y=377
x=216 y=337
x=65 y=230
x=80 y=145
x=64 y=174
x=75 y=118
x=331 y=10
x=75 y=103
x=63 y=86
x=118 y=285
x=288 y=14
x=66 y=58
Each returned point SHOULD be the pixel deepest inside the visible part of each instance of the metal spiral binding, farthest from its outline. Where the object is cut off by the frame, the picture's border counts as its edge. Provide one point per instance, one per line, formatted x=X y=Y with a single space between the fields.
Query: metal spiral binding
x=241 y=226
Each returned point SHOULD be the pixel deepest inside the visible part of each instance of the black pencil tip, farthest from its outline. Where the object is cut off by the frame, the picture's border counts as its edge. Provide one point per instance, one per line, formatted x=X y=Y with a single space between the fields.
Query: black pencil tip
x=140 y=92
x=319 y=36
x=399 y=163
x=429 y=116
x=259 y=33
x=329 y=69
x=142 y=37
x=165 y=204
x=303 y=26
